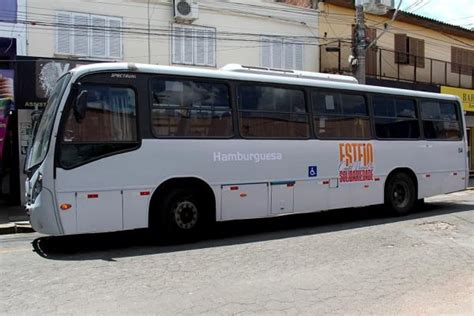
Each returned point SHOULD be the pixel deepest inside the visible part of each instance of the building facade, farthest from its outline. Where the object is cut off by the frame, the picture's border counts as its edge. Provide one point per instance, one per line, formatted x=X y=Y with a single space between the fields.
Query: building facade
x=413 y=52
x=58 y=35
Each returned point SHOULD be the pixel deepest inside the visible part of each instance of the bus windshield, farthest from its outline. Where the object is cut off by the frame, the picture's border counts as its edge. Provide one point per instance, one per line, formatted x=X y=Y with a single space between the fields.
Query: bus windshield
x=42 y=135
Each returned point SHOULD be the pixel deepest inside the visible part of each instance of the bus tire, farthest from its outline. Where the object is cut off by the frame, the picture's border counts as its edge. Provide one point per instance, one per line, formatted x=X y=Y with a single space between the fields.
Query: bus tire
x=400 y=194
x=181 y=215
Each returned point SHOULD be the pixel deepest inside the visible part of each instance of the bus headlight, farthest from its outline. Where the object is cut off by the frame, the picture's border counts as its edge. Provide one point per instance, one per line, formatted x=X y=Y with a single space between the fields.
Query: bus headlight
x=37 y=187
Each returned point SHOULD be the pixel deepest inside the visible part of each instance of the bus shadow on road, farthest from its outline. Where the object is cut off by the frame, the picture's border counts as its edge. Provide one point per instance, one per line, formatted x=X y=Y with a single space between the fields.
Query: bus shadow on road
x=109 y=246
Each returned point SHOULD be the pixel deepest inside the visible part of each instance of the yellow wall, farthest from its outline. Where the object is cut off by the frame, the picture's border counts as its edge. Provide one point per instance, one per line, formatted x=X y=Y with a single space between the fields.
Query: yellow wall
x=336 y=22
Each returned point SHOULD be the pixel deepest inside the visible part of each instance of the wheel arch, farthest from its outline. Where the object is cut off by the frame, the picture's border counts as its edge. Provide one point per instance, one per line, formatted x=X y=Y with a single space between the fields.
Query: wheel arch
x=191 y=182
x=407 y=171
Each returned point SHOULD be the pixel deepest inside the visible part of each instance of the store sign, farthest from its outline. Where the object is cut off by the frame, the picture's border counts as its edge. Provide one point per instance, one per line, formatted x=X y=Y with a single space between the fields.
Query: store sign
x=48 y=72
x=466 y=95
x=38 y=78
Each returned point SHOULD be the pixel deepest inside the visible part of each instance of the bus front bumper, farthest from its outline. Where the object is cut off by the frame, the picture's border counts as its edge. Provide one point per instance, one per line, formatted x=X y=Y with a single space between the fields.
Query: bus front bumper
x=42 y=214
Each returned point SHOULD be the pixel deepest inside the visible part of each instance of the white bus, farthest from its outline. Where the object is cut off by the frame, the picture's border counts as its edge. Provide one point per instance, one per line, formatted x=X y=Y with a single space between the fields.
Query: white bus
x=127 y=146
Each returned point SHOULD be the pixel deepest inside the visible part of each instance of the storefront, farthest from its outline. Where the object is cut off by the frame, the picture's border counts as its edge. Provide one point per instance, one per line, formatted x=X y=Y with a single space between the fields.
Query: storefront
x=35 y=79
x=12 y=45
x=467 y=97
x=7 y=108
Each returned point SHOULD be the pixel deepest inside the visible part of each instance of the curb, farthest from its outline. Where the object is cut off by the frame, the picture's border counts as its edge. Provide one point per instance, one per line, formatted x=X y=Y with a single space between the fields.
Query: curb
x=16 y=228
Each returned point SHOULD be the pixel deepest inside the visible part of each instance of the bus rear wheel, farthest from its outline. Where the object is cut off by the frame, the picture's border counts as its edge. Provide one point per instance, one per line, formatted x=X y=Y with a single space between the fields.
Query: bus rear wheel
x=400 y=194
x=181 y=215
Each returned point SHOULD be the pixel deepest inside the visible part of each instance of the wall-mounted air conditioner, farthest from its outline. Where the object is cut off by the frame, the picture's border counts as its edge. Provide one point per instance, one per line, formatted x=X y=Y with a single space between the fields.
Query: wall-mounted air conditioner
x=185 y=10
x=378 y=7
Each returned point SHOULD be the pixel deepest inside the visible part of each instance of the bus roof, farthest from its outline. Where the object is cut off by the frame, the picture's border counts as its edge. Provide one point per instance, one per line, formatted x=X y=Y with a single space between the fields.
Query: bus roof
x=251 y=76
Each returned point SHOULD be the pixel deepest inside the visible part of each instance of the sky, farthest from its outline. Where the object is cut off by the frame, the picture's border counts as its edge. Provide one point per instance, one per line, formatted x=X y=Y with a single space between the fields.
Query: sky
x=457 y=12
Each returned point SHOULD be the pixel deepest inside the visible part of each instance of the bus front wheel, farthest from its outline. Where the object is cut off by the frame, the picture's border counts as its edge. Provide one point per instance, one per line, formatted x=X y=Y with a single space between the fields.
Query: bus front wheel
x=400 y=194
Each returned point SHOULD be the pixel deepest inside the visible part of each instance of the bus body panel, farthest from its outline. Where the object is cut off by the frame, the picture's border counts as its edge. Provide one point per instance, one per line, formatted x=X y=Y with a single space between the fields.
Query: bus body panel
x=255 y=196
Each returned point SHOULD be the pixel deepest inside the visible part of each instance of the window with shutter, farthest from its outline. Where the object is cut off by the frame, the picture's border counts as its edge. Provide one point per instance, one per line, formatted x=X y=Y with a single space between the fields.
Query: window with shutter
x=416 y=50
x=298 y=57
x=63 y=33
x=81 y=34
x=409 y=50
x=277 y=54
x=193 y=45
x=280 y=54
x=88 y=35
x=211 y=47
x=115 y=38
x=177 y=45
x=266 y=52
x=462 y=61
x=99 y=46
x=289 y=52
x=401 y=49
x=201 y=46
x=188 y=46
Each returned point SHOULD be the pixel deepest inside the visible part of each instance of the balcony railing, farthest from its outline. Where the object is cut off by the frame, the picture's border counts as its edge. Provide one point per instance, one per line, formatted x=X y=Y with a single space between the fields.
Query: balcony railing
x=381 y=64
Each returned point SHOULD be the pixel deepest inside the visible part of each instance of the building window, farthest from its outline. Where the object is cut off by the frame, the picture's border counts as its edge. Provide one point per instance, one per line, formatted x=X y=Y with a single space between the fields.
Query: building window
x=88 y=35
x=192 y=45
x=409 y=50
x=462 y=61
x=281 y=54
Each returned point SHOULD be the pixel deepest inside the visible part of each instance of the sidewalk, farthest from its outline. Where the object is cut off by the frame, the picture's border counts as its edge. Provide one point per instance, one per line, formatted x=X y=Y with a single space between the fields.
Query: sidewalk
x=13 y=219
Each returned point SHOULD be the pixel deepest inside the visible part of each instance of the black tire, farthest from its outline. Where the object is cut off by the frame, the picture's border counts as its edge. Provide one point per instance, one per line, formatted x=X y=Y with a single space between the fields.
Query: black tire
x=420 y=204
x=182 y=215
x=400 y=194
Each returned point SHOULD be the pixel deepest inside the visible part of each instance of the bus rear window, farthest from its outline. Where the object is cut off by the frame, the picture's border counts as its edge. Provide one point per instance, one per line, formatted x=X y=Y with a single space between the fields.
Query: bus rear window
x=440 y=120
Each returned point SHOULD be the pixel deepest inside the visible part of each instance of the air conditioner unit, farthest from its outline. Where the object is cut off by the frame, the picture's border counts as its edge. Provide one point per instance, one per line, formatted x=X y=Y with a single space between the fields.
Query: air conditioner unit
x=185 y=10
x=378 y=7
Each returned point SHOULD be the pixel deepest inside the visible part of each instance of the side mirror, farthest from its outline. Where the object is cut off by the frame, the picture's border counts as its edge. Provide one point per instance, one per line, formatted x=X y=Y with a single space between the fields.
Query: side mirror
x=80 y=106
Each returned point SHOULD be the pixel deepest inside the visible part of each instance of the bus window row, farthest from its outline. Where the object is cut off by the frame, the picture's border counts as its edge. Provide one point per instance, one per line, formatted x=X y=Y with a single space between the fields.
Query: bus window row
x=189 y=108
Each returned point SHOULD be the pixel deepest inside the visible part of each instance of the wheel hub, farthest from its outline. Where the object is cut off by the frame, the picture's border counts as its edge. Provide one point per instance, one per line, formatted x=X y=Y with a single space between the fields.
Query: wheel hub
x=186 y=215
x=401 y=195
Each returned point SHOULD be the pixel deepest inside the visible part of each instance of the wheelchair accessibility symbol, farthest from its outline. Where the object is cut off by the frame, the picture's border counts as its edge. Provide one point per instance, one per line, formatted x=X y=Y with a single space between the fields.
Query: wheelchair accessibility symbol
x=312 y=171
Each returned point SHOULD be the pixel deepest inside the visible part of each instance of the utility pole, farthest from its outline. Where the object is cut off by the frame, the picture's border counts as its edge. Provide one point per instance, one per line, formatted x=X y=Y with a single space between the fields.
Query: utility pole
x=360 y=42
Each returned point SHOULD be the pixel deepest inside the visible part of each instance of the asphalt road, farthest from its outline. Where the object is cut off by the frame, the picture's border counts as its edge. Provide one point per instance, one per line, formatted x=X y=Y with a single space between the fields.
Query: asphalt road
x=353 y=261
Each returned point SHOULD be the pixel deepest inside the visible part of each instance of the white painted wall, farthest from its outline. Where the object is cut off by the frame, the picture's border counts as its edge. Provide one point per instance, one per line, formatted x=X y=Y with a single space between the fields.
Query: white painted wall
x=243 y=16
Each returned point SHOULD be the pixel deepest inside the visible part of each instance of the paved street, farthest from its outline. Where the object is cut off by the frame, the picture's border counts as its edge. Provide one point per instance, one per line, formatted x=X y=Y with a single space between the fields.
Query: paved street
x=347 y=261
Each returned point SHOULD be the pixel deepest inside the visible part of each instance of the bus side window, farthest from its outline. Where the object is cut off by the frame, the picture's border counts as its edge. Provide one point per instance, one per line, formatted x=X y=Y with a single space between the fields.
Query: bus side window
x=339 y=115
x=189 y=108
x=272 y=112
x=440 y=120
x=395 y=117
